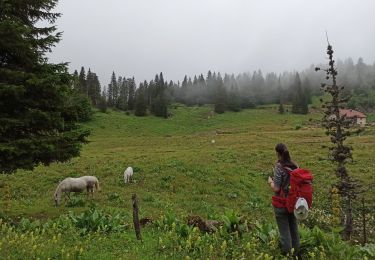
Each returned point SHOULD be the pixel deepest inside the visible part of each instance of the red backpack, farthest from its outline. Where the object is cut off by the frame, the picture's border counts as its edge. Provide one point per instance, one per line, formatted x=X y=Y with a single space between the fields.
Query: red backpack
x=300 y=186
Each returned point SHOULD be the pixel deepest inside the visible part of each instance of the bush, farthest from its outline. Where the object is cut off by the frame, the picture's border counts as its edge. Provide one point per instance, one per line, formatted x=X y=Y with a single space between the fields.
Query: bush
x=94 y=220
x=315 y=242
x=234 y=222
x=76 y=202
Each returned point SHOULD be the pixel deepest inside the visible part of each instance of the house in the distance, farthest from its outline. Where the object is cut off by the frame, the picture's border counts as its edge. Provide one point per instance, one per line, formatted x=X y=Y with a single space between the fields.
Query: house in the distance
x=358 y=117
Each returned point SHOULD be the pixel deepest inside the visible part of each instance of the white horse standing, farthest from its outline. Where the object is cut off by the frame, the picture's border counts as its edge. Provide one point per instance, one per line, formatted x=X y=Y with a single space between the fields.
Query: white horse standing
x=128 y=173
x=76 y=185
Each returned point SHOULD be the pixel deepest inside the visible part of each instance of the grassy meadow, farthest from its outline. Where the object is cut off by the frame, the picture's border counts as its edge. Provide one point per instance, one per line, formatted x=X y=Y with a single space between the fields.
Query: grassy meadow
x=190 y=164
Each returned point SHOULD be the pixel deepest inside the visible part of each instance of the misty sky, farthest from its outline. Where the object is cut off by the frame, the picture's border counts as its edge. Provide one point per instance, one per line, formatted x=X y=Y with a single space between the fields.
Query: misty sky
x=143 y=37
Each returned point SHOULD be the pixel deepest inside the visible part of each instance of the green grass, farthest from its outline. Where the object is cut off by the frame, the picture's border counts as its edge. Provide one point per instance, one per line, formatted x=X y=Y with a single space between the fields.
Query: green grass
x=178 y=169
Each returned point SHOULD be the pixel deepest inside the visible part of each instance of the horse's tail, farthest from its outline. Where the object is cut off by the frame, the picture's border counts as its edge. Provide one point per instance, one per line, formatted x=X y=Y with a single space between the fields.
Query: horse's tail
x=97 y=185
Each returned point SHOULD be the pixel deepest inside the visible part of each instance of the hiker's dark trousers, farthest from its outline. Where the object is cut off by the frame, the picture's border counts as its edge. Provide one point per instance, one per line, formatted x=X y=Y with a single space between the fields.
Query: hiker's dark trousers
x=288 y=230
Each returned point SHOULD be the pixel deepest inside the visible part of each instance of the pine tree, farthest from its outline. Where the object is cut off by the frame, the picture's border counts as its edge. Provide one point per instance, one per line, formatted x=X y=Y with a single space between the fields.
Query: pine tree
x=131 y=96
x=184 y=90
x=95 y=90
x=76 y=81
x=115 y=90
x=220 y=95
x=234 y=100
x=38 y=119
x=124 y=93
x=307 y=89
x=82 y=81
x=300 y=99
x=281 y=108
x=140 y=101
x=90 y=85
x=111 y=89
x=102 y=101
x=159 y=104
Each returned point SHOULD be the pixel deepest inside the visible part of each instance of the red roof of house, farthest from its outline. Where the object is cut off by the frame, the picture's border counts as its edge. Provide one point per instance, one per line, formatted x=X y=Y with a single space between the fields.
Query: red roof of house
x=350 y=113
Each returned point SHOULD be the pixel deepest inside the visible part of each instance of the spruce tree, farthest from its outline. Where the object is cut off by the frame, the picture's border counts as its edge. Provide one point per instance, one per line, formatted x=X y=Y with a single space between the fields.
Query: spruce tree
x=234 y=100
x=102 y=101
x=184 y=90
x=82 y=81
x=123 y=97
x=220 y=99
x=95 y=90
x=131 y=96
x=115 y=90
x=76 y=81
x=140 y=101
x=90 y=85
x=300 y=99
x=159 y=104
x=38 y=122
x=111 y=89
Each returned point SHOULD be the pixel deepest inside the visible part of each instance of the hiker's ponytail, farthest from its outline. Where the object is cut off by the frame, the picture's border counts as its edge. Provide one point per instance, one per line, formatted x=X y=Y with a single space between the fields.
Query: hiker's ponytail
x=285 y=159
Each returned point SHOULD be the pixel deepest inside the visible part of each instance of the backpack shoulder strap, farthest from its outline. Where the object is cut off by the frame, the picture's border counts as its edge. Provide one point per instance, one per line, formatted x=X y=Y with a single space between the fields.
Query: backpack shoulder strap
x=288 y=169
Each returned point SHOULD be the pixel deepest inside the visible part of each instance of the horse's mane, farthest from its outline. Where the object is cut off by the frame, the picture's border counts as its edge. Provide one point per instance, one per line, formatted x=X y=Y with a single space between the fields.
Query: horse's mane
x=58 y=189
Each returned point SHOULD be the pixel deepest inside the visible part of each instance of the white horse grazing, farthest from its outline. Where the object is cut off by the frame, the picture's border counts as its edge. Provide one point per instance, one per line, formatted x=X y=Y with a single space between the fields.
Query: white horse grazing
x=128 y=173
x=76 y=185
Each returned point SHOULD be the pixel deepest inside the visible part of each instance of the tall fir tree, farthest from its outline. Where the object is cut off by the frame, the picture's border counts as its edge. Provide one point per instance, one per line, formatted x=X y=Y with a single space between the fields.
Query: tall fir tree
x=82 y=81
x=38 y=119
x=115 y=90
x=140 y=108
x=307 y=90
x=124 y=93
x=159 y=104
x=131 y=95
x=300 y=99
x=102 y=102
x=111 y=101
x=234 y=100
x=75 y=84
x=220 y=95
x=90 y=85
x=95 y=96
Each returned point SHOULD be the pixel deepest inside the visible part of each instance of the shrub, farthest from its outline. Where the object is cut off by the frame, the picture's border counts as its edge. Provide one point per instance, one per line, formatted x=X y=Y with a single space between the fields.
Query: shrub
x=94 y=220
x=113 y=196
x=234 y=222
x=76 y=202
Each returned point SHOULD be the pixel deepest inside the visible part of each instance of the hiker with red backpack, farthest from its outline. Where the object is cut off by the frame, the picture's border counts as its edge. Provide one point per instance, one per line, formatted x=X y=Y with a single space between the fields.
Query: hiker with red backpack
x=292 y=199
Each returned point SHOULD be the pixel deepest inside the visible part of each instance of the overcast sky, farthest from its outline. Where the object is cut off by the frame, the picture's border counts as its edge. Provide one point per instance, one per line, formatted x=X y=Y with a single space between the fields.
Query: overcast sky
x=143 y=37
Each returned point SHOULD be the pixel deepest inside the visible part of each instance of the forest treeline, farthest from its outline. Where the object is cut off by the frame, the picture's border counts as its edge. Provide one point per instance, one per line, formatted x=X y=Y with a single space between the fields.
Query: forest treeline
x=228 y=92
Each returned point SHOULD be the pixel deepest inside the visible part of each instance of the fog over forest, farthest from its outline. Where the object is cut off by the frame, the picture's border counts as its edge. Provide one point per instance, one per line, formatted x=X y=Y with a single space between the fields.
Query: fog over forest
x=142 y=38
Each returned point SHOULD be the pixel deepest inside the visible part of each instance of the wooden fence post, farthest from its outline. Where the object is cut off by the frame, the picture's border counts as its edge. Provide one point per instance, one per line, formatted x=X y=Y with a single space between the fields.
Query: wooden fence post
x=137 y=226
x=364 y=221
